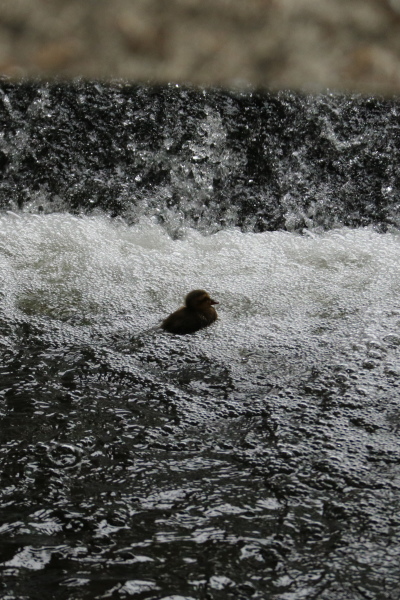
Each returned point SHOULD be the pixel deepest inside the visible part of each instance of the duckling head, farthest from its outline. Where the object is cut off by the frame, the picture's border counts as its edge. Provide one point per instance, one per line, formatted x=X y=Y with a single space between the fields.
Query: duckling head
x=199 y=300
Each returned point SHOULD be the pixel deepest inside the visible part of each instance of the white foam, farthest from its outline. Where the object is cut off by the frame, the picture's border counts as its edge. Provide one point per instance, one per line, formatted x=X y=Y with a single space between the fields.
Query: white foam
x=271 y=286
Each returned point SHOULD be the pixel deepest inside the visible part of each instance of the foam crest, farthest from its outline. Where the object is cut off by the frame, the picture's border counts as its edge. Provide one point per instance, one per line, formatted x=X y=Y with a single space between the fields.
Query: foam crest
x=65 y=267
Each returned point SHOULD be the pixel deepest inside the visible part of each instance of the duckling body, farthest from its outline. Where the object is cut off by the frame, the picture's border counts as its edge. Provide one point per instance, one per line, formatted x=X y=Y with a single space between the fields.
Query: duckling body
x=197 y=313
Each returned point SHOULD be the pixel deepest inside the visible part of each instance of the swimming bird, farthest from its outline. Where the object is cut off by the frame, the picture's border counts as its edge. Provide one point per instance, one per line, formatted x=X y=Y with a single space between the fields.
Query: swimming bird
x=197 y=313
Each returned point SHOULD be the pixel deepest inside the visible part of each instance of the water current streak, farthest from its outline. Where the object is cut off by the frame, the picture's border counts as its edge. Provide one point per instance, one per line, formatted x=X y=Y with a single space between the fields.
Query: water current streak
x=208 y=158
x=256 y=459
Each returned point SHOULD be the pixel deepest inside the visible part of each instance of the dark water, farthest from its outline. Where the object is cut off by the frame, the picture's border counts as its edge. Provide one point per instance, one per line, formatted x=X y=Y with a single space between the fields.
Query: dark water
x=259 y=458
x=261 y=162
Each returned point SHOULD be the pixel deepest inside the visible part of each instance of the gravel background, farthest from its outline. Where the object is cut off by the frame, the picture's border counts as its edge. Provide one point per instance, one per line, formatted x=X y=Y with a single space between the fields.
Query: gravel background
x=297 y=44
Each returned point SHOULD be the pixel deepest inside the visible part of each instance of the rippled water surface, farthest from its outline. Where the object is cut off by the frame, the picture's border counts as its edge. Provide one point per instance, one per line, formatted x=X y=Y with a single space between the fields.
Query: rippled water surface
x=258 y=458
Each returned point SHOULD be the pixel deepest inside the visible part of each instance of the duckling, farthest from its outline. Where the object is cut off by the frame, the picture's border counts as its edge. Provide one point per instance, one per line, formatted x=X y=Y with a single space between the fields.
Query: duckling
x=197 y=313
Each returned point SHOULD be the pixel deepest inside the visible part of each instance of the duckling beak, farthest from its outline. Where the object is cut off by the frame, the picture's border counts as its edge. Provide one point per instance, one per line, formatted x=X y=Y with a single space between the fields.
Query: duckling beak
x=213 y=301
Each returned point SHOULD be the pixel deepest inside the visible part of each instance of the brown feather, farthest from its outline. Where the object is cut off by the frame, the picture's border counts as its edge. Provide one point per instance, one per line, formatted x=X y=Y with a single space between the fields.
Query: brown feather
x=197 y=313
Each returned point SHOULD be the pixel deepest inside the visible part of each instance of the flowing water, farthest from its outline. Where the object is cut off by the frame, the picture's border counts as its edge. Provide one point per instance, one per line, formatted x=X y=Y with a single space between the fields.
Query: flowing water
x=257 y=458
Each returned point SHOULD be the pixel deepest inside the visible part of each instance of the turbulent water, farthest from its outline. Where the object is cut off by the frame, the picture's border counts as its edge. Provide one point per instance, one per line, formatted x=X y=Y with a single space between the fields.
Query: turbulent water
x=257 y=458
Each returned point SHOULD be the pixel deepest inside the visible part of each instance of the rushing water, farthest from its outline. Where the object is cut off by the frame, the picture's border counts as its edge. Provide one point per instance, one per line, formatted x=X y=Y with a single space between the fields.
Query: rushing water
x=258 y=458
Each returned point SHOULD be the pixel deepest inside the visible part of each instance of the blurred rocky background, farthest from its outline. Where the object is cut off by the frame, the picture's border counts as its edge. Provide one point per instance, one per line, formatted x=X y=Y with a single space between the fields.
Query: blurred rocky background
x=309 y=45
